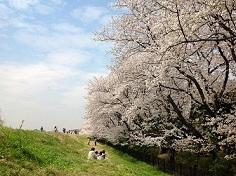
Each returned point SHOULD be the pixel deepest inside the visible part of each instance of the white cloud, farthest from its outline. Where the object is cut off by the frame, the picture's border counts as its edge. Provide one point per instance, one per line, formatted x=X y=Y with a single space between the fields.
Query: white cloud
x=68 y=57
x=89 y=13
x=56 y=41
x=43 y=9
x=7 y=16
x=58 y=2
x=22 y=4
x=39 y=6
x=66 y=28
x=5 y=11
x=29 y=27
x=71 y=97
x=19 y=79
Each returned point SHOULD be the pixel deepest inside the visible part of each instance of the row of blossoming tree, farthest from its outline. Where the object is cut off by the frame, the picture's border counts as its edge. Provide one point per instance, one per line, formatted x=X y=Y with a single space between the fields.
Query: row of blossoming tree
x=173 y=80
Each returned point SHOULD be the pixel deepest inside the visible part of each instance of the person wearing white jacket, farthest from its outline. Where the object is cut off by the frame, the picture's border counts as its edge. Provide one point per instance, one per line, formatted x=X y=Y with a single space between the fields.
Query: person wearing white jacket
x=92 y=155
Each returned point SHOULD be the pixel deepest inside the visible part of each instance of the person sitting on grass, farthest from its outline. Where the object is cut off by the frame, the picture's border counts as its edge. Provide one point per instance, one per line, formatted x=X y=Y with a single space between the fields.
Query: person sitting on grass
x=97 y=154
x=92 y=155
x=102 y=155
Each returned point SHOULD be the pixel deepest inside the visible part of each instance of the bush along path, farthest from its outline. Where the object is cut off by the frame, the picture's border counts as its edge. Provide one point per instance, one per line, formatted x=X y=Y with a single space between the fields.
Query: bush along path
x=26 y=153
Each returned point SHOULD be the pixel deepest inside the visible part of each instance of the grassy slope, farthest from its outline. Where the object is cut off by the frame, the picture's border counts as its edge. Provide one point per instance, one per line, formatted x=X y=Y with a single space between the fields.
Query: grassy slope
x=35 y=153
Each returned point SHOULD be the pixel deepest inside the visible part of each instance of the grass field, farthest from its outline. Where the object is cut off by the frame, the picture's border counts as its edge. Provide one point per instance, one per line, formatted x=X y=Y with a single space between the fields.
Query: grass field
x=24 y=153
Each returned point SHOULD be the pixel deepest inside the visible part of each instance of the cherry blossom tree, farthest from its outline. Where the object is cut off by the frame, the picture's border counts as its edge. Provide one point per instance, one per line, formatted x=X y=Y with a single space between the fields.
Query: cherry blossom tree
x=173 y=80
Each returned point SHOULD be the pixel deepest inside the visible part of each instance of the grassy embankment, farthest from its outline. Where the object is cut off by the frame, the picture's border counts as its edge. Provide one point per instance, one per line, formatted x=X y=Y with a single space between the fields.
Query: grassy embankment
x=25 y=153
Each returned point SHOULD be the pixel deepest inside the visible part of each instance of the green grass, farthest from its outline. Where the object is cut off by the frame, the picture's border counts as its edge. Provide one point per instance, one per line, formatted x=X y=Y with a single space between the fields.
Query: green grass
x=24 y=153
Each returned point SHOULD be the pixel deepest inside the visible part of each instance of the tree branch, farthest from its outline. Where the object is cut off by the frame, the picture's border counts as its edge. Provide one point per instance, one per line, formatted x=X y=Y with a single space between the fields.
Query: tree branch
x=182 y=119
x=226 y=71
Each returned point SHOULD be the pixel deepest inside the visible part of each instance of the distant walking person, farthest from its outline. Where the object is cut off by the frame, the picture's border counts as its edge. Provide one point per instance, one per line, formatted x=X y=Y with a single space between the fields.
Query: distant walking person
x=90 y=138
x=55 y=129
x=41 y=129
x=64 y=130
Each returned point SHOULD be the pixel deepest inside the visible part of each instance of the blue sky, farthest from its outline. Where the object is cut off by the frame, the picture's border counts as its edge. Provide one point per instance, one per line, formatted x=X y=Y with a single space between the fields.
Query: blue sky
x=47 y=57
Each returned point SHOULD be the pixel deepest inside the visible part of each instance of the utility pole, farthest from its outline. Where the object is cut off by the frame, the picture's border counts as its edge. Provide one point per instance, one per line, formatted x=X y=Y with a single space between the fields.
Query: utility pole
x=22 y=122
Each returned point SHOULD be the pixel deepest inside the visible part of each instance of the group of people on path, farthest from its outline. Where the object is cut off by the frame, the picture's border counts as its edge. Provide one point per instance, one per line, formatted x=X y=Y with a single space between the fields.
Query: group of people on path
x=93 y=154
x=63 y=130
